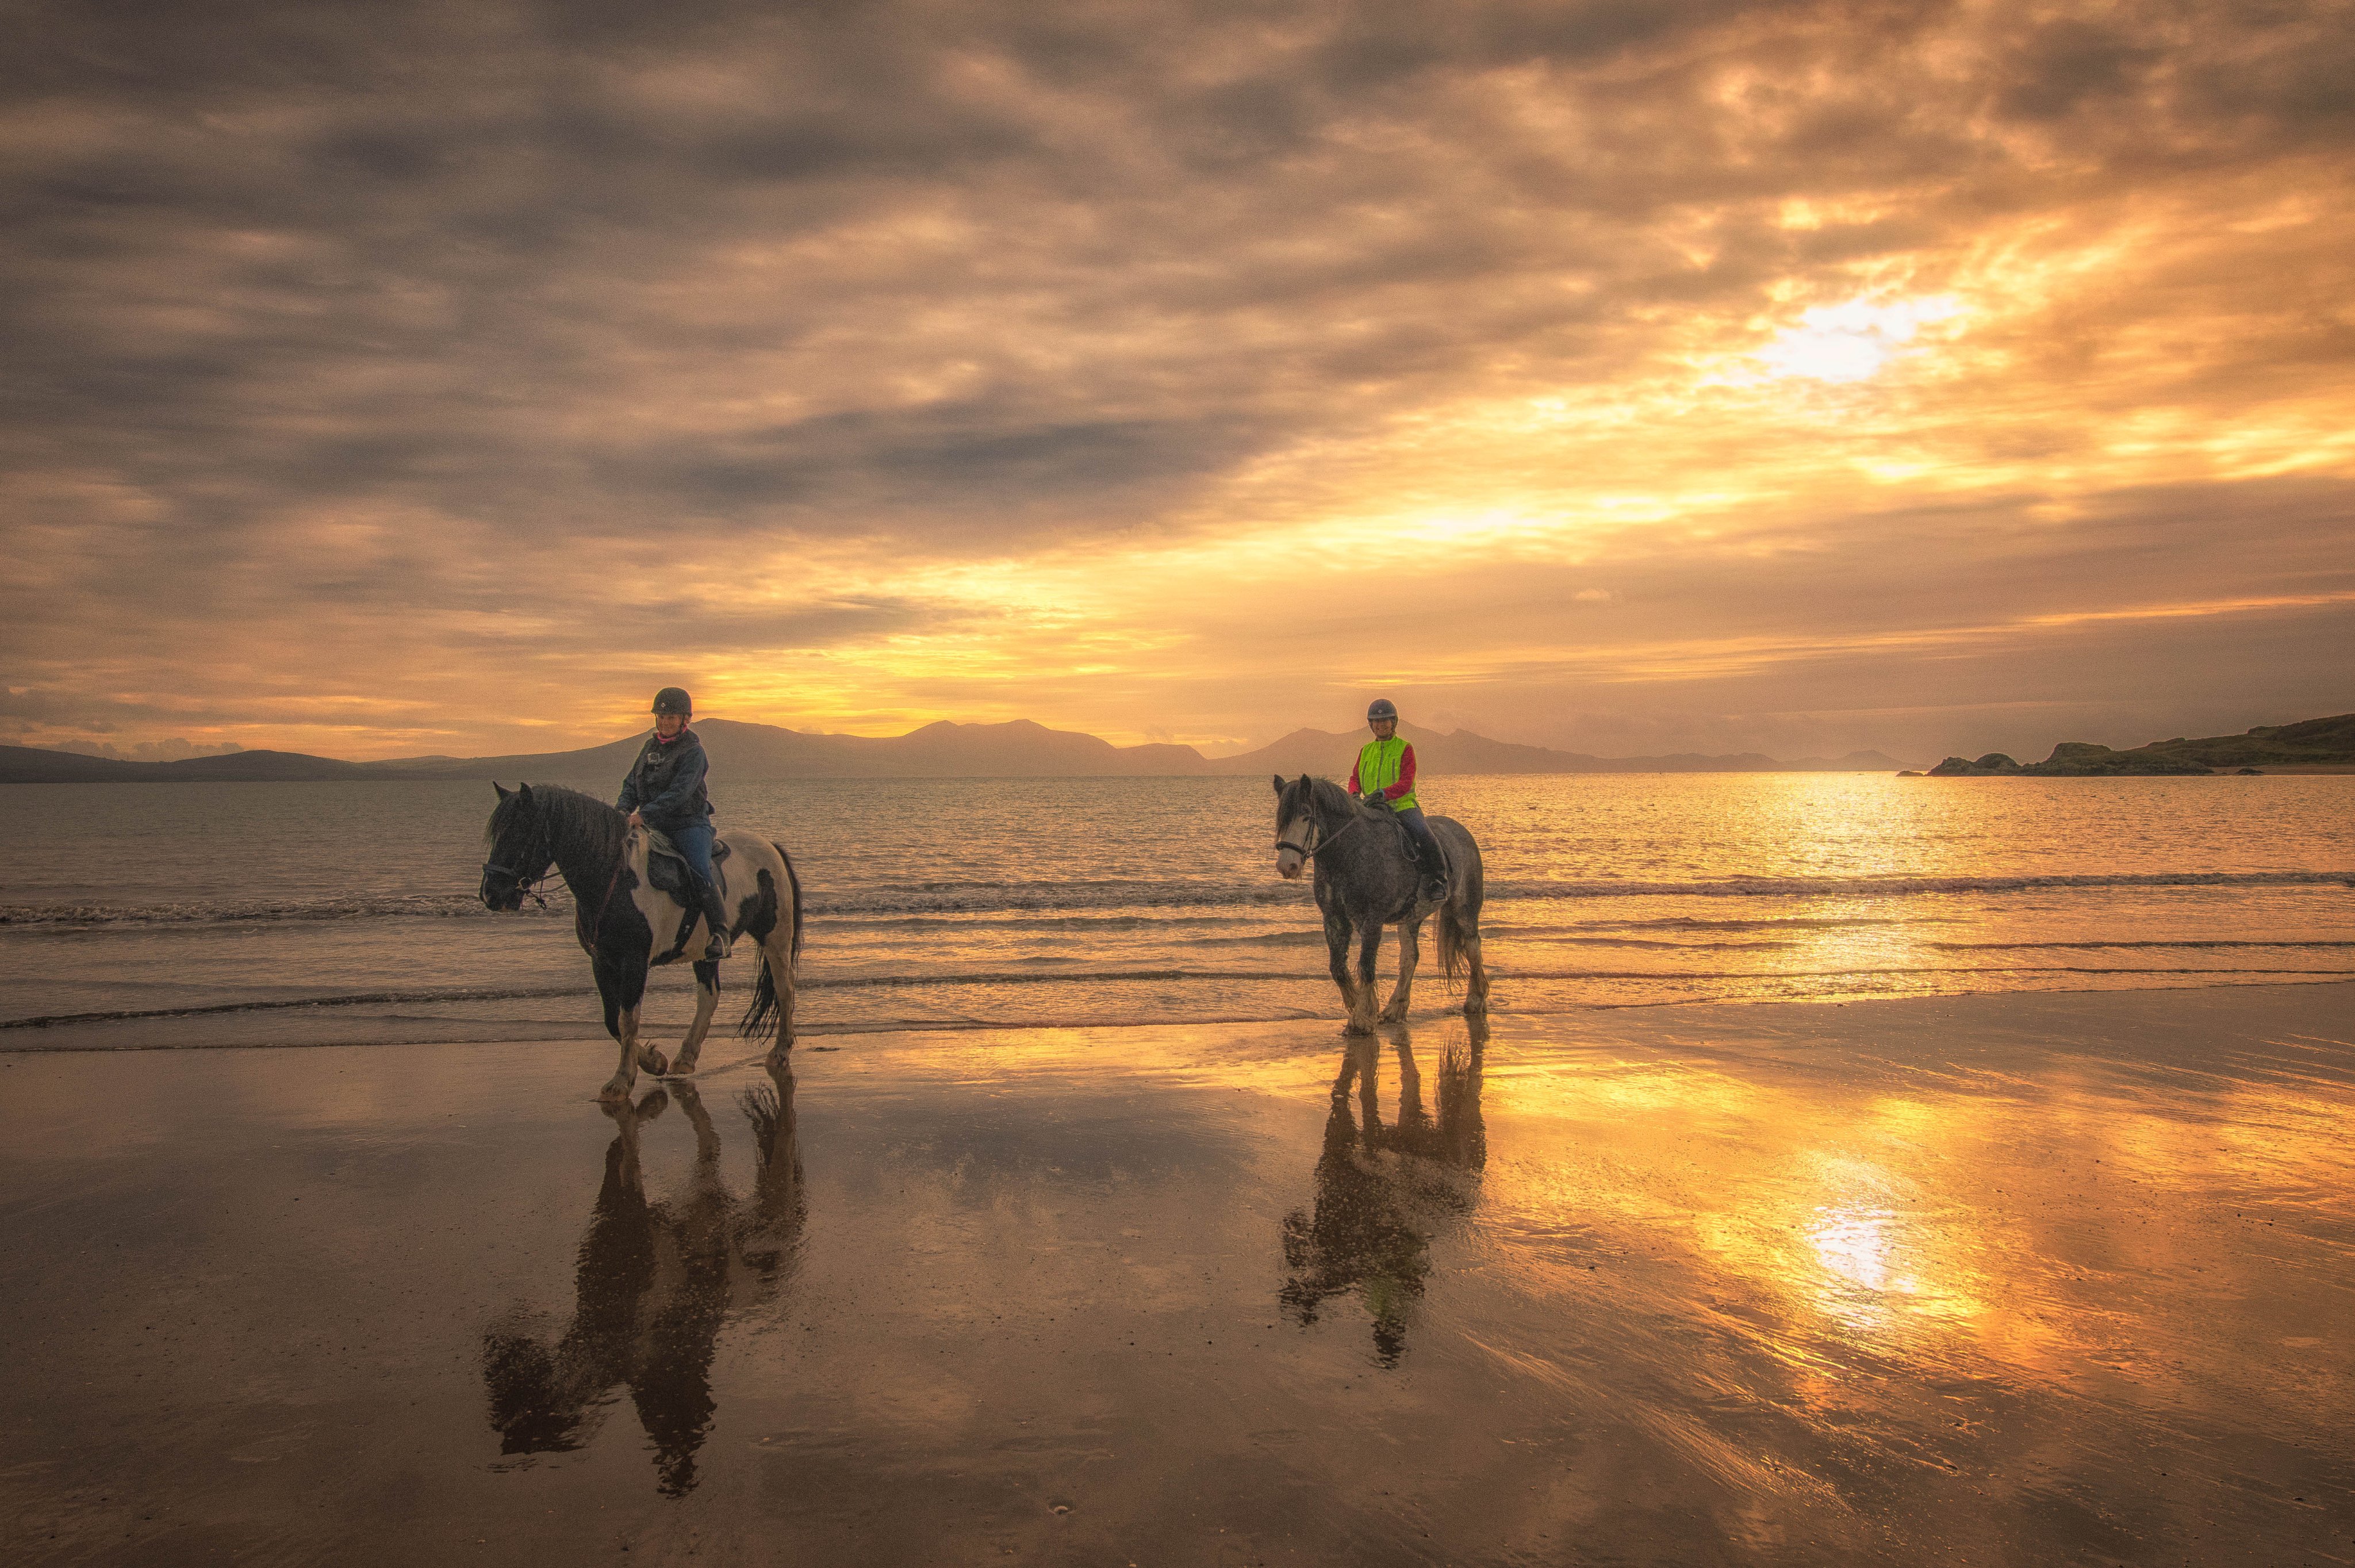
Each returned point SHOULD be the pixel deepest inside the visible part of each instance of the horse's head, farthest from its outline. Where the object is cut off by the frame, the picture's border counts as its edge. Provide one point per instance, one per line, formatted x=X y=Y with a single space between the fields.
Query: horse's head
x=1298 y=827
x=521 y=848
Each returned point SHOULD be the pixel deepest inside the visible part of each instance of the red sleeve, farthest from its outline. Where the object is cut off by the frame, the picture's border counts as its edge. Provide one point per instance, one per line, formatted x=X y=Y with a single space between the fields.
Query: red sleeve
x=1353 y=779
x=1405 y=785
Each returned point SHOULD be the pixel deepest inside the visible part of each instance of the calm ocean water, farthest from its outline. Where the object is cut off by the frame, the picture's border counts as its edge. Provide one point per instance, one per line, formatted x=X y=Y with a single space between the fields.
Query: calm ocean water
x=161 y=915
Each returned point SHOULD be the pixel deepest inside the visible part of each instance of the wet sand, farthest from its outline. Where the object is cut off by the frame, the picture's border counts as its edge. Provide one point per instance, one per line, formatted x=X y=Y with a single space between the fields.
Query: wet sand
x=1995 y=1279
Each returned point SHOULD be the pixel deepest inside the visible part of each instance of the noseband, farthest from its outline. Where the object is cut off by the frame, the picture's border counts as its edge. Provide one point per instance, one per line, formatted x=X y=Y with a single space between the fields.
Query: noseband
x=1324 y=842
x=528 y=888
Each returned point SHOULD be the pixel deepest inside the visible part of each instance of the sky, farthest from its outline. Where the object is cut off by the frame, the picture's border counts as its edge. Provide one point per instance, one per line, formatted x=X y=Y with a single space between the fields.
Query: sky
x=1628 y=376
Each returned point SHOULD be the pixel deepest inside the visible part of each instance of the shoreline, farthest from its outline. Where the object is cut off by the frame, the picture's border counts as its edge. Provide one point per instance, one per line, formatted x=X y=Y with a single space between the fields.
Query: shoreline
x=24 y=1037
x=2008 y=1276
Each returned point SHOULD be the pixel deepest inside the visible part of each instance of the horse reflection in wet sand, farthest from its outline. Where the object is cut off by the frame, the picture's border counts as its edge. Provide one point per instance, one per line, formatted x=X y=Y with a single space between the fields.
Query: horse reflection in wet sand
x=1380 y=1191
x=654 y=1283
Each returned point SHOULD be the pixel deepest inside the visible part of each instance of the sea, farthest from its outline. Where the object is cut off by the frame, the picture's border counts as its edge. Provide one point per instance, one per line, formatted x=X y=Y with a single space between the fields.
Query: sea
x=160 y=916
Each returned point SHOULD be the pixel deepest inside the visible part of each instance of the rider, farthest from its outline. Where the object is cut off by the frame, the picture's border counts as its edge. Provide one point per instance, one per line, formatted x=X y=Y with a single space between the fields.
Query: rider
x=664 y=790
x=1385 y=777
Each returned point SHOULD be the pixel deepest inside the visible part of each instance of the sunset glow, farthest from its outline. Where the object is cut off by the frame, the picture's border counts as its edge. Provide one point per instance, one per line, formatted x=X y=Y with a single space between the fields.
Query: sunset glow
x=1967 y=379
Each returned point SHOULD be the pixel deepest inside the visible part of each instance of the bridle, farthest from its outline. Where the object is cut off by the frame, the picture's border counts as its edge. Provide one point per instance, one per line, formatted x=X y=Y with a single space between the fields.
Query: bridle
x=1324 y=840
x=528 y=888
x=548 y=859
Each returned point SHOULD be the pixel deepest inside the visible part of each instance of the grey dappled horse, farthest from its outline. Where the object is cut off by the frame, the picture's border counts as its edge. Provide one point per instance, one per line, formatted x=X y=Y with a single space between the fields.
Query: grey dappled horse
x=1367 y=879
x=627 y=925
x=1383 y=1192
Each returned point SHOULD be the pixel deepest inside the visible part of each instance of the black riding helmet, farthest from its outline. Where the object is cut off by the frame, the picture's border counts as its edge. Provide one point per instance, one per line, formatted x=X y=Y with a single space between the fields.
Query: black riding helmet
x=1380 y=708
x=671 y=699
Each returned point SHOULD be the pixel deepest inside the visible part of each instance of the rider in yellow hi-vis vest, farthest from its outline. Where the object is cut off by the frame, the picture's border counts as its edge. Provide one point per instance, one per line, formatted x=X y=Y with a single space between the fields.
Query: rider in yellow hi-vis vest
x=1384 y=777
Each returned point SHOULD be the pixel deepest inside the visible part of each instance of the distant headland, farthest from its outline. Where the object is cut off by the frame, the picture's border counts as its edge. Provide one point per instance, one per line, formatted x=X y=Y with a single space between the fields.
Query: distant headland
x=1020 y=748
x=2310 y=746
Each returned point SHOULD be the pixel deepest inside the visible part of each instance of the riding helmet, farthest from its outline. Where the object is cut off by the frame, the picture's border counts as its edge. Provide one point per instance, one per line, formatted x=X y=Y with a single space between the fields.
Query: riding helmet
x=1382 y=708
x=671 y=699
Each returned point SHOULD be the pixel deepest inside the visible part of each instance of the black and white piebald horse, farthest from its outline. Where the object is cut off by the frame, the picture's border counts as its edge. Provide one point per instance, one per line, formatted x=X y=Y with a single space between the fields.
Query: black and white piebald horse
x=1367 y=879
x=627 y=925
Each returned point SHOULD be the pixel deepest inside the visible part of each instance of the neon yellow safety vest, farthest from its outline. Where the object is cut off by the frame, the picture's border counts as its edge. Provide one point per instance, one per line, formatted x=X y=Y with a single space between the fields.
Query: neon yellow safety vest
x=1379 y=764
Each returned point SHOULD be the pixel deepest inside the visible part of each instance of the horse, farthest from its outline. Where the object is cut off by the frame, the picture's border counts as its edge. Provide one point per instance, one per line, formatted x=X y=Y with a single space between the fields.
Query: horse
x=626 y=924
x=1379 y=1189
x=1366 y=878
x=656 y=1281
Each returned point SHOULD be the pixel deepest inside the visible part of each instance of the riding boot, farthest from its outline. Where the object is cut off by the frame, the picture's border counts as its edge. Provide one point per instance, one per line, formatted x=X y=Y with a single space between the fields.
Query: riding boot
x=1434 y=872
x=715 y=916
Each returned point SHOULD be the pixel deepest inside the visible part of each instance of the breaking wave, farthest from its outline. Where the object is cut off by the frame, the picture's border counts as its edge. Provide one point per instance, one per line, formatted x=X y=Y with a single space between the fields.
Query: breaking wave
x=915 y=902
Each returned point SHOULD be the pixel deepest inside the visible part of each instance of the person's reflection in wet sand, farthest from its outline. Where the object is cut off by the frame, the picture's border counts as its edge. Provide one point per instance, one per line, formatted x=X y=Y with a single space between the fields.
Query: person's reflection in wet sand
x=1361 y=1232
x=654 y=1283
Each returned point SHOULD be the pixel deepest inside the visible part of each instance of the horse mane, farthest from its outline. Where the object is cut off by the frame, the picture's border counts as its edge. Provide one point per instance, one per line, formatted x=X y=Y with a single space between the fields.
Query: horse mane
x=1327 y=796
x=578 y=824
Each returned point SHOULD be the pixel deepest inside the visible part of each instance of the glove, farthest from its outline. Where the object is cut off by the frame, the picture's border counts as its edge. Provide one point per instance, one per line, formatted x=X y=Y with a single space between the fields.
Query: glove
x=1378 y=800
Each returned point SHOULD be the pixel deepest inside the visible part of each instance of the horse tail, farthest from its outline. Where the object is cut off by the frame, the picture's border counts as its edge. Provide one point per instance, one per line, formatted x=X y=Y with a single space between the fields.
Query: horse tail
x=793 y=881
x=764 y=1001
x=1450 y=945
x=763 y=1012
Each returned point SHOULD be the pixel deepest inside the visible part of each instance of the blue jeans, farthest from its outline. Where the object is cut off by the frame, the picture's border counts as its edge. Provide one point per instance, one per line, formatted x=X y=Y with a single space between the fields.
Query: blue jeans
x=1420 y=831
x=693 y=842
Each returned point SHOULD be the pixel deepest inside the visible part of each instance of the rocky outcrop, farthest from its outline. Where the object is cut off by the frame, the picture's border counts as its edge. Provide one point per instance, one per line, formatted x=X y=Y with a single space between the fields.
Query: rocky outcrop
x=2081 y=759
x=2312 y=744
x=1994 y=762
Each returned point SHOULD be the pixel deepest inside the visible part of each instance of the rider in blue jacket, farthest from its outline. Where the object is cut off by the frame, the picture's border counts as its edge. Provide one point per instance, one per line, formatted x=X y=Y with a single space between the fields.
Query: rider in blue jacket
x=664 y=790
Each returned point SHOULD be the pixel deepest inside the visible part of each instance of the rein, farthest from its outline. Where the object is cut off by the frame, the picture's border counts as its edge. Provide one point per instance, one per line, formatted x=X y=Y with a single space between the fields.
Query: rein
x=1324 y=841
x=588 y=943
x=527 y=887
x=531 y=889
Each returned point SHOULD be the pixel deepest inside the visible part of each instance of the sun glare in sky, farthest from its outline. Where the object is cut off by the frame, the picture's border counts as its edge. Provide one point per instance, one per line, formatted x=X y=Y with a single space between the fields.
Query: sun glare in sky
x=1852 y=341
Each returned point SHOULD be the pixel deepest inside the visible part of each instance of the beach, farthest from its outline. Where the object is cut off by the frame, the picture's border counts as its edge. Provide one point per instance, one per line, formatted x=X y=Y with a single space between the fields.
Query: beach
x=2029 y=1277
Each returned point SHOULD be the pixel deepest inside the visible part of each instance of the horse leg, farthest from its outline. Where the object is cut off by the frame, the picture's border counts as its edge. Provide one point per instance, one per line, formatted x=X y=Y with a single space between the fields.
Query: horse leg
x=609 y=991
x=1409 y=949
x=624 y=991
x=1337 y=942
x=1410 y=1094
x=1348 y=1073
x=1361 y=1002
x=777 y=953
x=622 y=1024
x=706 y=999
x=1476 y=993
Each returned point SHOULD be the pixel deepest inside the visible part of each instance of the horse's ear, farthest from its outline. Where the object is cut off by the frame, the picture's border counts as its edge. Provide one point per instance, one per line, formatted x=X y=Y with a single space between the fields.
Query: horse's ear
x=523 y=792
x=1279 y=781
x=1305 y=785
x=503 y=791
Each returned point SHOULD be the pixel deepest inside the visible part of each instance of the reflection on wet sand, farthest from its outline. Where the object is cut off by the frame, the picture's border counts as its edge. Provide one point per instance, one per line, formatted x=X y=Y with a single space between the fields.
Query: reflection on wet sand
x=1378 y=1188
x=654 y=1283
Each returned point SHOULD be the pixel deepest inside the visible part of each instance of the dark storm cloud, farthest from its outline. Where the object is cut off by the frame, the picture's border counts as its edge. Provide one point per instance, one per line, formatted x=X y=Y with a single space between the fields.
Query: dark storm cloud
x=423 y=227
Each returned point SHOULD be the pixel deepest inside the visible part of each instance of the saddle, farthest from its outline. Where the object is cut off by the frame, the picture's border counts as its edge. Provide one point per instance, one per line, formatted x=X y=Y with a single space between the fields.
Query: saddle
x=1404 y=842
x=667 y=869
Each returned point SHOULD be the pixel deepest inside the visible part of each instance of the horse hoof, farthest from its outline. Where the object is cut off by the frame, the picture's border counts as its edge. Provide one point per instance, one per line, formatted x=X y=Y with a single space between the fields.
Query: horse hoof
x=653 y=1061
x=615 y=1093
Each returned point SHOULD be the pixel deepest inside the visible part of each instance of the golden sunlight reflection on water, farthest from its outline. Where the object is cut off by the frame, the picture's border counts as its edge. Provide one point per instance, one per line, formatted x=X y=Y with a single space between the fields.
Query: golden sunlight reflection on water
x=1982 y=1229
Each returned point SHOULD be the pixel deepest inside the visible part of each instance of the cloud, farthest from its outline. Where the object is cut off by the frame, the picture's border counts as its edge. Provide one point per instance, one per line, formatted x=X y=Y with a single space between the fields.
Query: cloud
x=413 y=376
